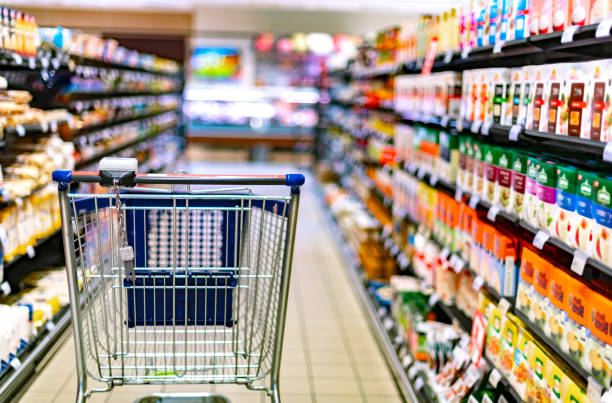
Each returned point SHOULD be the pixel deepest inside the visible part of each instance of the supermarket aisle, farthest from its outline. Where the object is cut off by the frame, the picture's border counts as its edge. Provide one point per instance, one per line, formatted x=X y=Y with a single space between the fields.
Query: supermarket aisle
x=330 y=354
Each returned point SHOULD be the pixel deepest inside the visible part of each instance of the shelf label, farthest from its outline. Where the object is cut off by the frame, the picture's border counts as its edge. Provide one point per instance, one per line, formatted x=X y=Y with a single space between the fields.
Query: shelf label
x=394 y=250
x=594 y=390
x=448 y=57
x=456 y=263
x=406 y=361
x=50 y=325
x=55 y=63
x=418 y=384
x=403 y=261
x=503 y=306
x=433 y=179
x=607 y=153
x=44 y=126
x=31 y=63
x=492 y=213
x=444 y=253
x=475 y=128
x=19 y=202
x=413 y=371
x=5 y=288
x=433 y=299
x=495 y=377
x=478 y=283
x=444 y=121
x=15 y=363
x=398 y=340
x=17 y=58
x=388 y=243
x=465 y=52
x=53 y=126
x=568 y=34
x=388 y=323
x=486 y=126
x=459 y=195
x=540 y=239
x=44 y=62
x=20 y=130
x=603 y=29
x=514 y=132
x=421 y=173
x=382 y=311
x=474 y=200
x=30 y=251
x=498 y=47
x=579 y=261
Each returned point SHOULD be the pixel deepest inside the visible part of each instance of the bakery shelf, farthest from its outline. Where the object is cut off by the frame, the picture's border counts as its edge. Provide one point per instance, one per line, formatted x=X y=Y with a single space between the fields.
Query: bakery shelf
x=45 y=127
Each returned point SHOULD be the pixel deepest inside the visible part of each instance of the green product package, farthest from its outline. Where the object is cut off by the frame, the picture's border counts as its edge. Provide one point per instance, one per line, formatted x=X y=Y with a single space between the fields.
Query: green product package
x=586 y=190
x=491 y=158
x=504 y=177
x=547 y=195
x=566 y=203
x=519 y=168
x=530 y=210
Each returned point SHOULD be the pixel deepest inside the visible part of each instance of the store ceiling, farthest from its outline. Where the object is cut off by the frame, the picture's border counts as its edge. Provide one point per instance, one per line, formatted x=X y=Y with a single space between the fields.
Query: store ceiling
x=404 y=6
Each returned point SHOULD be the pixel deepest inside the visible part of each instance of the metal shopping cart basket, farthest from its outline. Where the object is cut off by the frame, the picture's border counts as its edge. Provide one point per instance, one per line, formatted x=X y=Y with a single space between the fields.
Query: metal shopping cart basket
x=170 y=286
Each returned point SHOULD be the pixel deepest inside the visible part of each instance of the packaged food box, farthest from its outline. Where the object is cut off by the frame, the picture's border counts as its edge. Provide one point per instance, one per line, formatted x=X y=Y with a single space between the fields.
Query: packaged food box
x=513 y=114
x=586 y=190
x=556 y=99
x=554 y=382
x=494 y=19
x=579 y=100
x=561 y=14
x=520 y=373
x=537 y=111
x=503 y=271
x=599 y=345
x=506 y=24
x=538 y=373
x=491 y=161
x=487 y=258
x=461 y=171
x=493 y=336
x=477 y=234
x=521 y=28
x=519 y=169
x=602 y=212
x=479 y=165
x=531 y=200
x=547 y=194
x=482 y=18
x=545 y=14
x=566 y=204
x=526 y=290
x=600 y=10
x=534 y=16
x=526 y=95
x=558 y=302
x=577 y=323
x=541 y=283
x=470 y=163
x=469 y=216
x=503 y=186
x=509 y=339
x=580 y=12
x=600 y=111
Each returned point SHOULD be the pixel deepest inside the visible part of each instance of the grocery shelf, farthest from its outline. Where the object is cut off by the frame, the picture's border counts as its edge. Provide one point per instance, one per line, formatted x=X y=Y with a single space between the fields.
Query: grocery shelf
x=87 y=95
x=504 y=386
x=48 y=126
x=115 y=150
x=116 y=122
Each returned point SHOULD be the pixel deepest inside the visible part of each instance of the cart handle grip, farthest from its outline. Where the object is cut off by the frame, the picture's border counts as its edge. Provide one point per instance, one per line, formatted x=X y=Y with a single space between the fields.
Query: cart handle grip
x=63 y=178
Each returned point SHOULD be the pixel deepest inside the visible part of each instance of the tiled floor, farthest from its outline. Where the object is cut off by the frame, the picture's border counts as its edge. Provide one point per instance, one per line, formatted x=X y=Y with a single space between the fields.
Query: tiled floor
x=330 y=355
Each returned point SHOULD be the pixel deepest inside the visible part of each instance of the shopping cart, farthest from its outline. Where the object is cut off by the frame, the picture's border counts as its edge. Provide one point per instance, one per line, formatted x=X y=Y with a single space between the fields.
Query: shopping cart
x=177 y=286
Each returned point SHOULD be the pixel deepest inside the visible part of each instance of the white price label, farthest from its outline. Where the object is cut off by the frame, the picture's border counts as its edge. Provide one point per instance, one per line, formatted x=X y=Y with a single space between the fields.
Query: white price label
x=389 y=324
x=398 y=340
x=474 y=200
x=386 y=231
x=433 y=299
x=568 y=34
x=456 y=263
x=20 y=130
x=50 y=325
x=403 y=261
x=444 y=121
x=475 y=128
x=17 y=58
x=53 y=126
x=5 y=288
x=31 y=63
x=19 y=201
x=444 y=253
x=394 y=250
x=30 y=251
x=594 y=390
x=465 y=52
x=607 y=153
x=579 y=261
x=448 y=57
x=494 y=378
x=540 y=239
x=418 y=384
x=433 y=179
x=3 y=236
x=44 y=126
x=406 y=361
x=503 y=306
x=382 y=311
x=388 y=243
x=486 y=126
x=55 y=63
x=15 y=363
x=478 y=283
x=44 y=62
x=413 y=371
x=421 y=173
x=492 y=213
x=603 y=29
x=459 y=195
x=497 y=48
x=514 y=132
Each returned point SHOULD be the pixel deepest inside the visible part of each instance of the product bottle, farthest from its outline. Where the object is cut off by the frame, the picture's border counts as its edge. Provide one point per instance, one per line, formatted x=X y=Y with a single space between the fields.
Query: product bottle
x=493 y=21
x=522 y=19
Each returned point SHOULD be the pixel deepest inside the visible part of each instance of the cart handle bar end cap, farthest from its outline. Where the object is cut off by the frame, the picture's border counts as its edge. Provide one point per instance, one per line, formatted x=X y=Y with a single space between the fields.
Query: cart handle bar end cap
x=118 y=171
x=295 y=181
x=63 y=179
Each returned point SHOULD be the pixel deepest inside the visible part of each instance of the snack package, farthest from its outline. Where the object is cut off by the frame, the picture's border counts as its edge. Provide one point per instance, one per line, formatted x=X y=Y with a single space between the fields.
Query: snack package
x=512 y=116
x=521 y=29
x=503 y=186
x=545 y=23
x=580 y=12
x=470 y=163
x=598 y=359
x=530 y=208
x=534 y=16
x=600 y=10
x=469 y=216
x=600 y=112
x=491 y=161
x=503 y=272
x=482 y=18
x=538 y=107
x=494 y=19
x=527 y=76
x=579 y=101
x=547 y=193
x=493 y=336
x=574 y=342
x=479 y=166
x=526 y=290
x=501 y=94
x=506 y=24
x=522 y=354
x=602 y=213
x=536 y=390
x=477 y=235
x=541 y=283
x=561 y=14
x=487 y=258
x=587 y=188
x=509 y=339
x=519 y=169
x=558 y=302
x=554 y=382
x=566 y=204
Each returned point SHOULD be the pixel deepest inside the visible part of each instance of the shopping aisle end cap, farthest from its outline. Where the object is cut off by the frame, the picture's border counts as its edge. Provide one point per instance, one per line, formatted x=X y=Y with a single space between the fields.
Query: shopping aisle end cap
x=295 y=179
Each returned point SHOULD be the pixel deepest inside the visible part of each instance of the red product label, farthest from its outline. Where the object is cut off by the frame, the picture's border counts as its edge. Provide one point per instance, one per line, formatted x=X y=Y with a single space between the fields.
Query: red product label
x=578 y=104
x=576 y=305
x=522 y=12
x=538 y=102
x=491 y=171
x=504 y=177
x=462 y=161
x=518 y=182
x=555 y=102
x=599 y=105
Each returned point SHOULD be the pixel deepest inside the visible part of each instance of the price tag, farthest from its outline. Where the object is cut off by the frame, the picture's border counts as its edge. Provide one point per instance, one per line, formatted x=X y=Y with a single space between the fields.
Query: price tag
x=568 y=34
x=386 y=232
x=433 y=179
x=459 y=195
x=465 y=52
x=20 y=130
x=492 y=213
x=44 y=62
x=394 y=250
x=494 y=378
x=403 y=261
x=486 y=126
x=388 y=243
x=398 y=340
x=603 y=29
x=5 y=288
x=53 y=126
x=607 y=153
x=444 y=121
x=448 y=57
x=540 y=239
x=444 y=253
x=594 y=390
x=421 y=173
x=17 y=58
x=497 y=48
x=456 y=263
x=433 y=299
x=478 y=283
x=418 y=384
x=503 y=306
x=579 y=261
x=389 y=324
x=413 y=371
x=55 y=63
x=31 y=63
x=3 y=236
x=382 y=311
x=474 y=200
x=406 y=361
x=50 y=325
x=514 y=132
x=30 y=251
x=475 y=128
x=19 y=202
x=15 y=363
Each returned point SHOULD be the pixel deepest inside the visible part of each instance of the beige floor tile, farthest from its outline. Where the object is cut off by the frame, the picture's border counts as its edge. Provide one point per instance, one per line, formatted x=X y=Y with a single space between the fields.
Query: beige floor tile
x=94 y=398
x=336 y=386
x=298 y=386
x=37 y=397
x=373 y=371
x=293 y=370
x=323 y=398
x=381 y=386
x=294 y=398
x=324 y=357
x=189 y=388
x=332 y=371
x=384 y=399
x=254 y=397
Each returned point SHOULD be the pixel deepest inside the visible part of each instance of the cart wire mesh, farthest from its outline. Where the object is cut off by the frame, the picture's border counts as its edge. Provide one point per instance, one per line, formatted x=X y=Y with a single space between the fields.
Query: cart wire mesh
x=202 y=306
